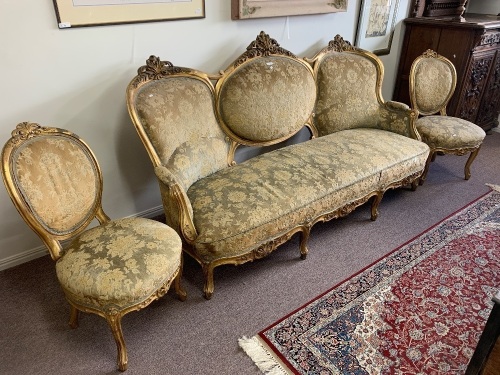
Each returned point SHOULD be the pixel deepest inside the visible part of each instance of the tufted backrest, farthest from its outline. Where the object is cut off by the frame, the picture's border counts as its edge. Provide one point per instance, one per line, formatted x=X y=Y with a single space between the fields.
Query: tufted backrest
x=349 y=88
x=172 y=109
x=266 y=96
x=53 y=180
x=432 y=83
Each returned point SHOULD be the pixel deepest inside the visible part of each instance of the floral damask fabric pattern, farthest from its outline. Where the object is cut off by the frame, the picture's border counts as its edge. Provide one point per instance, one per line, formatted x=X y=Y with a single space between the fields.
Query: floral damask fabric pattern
x=240 y=207
x=179 y=112
x=119 y=263
x=346 y=94
x=433 y=83
x=267 y=99
x=449 y=132
x=67 y=175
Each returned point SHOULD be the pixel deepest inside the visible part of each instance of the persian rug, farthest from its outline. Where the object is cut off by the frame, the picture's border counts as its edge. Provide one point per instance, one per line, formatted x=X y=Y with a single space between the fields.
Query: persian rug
x=419 y=310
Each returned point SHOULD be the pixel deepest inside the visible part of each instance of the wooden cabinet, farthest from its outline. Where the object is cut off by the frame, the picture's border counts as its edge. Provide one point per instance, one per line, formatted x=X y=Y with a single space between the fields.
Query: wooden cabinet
x=474 y=48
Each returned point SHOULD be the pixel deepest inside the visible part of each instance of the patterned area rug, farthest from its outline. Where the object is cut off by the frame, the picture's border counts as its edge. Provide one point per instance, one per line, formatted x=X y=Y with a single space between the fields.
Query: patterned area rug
x=419 y=310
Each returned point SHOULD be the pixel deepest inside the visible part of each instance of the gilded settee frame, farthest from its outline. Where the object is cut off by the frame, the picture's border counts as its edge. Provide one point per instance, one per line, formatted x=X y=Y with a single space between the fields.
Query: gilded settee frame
x=181 y=217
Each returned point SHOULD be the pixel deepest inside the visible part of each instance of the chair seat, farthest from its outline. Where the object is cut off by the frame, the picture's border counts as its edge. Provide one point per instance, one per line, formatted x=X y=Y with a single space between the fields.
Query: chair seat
x=449 y=132
x=120 y=263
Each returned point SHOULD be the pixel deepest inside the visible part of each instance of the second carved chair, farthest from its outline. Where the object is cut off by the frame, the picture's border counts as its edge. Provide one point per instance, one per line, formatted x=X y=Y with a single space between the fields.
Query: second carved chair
x=432 y=83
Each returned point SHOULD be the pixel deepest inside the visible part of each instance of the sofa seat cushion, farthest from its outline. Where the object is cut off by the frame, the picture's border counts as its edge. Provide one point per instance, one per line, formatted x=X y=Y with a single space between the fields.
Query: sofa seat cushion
x=239 y=208
x=120 y=263
x=449 y=132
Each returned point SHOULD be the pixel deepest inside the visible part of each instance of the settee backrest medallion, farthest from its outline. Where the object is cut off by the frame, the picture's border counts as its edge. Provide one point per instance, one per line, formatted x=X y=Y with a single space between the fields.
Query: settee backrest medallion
x=254 y=95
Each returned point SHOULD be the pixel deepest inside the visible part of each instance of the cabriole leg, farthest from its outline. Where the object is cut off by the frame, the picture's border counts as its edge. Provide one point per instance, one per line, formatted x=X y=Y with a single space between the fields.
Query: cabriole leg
x=73 y=317
x=208 y=272
x=375 y=202
x=430 y=158
x=115 y=323
x=304 y=237
x=181 y=293
x=471 y=158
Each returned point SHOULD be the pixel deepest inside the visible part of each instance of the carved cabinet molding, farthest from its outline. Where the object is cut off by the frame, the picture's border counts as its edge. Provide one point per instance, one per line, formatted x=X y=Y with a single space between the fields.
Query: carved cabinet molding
x=474 y=48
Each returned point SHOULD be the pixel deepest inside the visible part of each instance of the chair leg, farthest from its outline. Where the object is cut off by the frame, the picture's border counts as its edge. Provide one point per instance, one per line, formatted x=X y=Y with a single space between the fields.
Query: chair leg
x=181 y=293
x=471 y=158
x=115 y=323
x=304 y=237
x=208 y=272
x=431 y=157
x=374 y=208
x=73 y=318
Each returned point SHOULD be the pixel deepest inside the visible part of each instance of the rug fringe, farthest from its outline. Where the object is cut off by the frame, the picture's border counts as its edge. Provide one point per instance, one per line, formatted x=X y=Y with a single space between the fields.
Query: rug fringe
x=264 y=360
x=494 y=187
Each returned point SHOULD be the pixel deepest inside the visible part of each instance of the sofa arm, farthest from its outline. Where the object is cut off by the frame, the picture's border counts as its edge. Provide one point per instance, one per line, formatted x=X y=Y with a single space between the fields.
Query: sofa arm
x=399 y=118
x=178 y=209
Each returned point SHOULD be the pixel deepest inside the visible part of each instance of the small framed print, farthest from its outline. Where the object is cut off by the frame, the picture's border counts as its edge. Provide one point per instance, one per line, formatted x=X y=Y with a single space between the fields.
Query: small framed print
x=376 y=24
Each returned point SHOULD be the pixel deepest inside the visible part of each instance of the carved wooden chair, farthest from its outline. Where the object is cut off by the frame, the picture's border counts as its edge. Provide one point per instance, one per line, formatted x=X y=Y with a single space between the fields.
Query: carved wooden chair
x=432 y=83
x=111 y=269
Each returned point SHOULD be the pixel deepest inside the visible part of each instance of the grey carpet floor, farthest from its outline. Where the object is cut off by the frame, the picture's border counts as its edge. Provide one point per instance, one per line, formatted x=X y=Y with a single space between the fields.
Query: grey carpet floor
x=199 y=336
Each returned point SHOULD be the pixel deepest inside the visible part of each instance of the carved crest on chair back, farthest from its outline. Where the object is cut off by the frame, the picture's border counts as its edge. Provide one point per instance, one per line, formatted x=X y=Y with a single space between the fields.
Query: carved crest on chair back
x=338 y=44
x=25 y=130
x=263 y=45
x=156 y=69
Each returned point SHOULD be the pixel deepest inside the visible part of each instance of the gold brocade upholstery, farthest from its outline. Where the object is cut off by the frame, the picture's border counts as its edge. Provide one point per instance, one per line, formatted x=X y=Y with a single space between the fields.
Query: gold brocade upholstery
x=349 y=96
x=111 y=269
x=229 y=213
x=238 y=207
x=60 y=202
x=432 y=83
x=449 y=132
x=117 y=264
x=244 y=98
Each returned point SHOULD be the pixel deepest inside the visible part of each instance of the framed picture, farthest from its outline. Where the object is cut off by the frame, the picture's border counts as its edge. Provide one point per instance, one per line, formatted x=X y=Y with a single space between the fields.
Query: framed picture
x=77 y=13
x=244 y=9
x=376 y=23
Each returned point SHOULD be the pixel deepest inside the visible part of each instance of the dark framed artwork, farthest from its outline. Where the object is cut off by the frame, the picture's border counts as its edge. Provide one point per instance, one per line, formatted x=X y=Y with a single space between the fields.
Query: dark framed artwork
x=376 y=23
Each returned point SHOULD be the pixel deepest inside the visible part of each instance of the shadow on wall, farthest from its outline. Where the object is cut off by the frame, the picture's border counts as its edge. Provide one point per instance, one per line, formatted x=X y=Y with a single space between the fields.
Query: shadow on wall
x=136 y=166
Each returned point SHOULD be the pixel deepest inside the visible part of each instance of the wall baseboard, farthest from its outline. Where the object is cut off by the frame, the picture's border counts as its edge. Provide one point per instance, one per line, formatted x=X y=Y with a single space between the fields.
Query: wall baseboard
x=41 y=251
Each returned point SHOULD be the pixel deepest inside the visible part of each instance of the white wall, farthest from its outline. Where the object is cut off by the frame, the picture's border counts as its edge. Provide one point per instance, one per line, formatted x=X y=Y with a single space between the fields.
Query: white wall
x=76 y=79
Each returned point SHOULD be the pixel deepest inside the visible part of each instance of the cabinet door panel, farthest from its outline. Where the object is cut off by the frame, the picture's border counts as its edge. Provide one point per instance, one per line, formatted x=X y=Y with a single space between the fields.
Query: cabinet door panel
x=474 y=86
x=490 y=104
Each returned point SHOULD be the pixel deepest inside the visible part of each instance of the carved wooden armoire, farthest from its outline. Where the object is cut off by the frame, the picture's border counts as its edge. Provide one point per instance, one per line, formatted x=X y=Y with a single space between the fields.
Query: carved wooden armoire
x=473 y=46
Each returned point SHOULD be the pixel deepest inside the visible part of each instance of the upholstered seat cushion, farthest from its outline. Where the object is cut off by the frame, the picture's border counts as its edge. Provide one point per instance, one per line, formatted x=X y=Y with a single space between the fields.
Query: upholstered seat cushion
x=120 y=263
x=236 y=208
x=449 y=132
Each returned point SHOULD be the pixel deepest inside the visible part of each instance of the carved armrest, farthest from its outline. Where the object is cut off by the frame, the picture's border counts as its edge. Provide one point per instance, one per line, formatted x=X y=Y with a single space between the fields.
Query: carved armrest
x=399 y=118
x=176 y=203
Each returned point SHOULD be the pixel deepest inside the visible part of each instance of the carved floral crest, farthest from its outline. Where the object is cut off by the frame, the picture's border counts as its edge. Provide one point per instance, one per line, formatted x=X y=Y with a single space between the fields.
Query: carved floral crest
x=262 y=46
x=155 y=69
x=338 y=44
x=25 y=130
x=430 y=53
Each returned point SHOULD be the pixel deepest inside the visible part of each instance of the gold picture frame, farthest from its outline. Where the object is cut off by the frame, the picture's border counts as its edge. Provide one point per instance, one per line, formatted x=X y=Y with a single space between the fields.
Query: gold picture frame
x=245 y=9
x=376 y=23
x=78 y=13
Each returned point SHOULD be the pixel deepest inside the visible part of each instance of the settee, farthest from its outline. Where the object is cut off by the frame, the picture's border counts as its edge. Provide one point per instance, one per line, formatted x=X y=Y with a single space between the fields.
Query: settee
x=191 y=124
